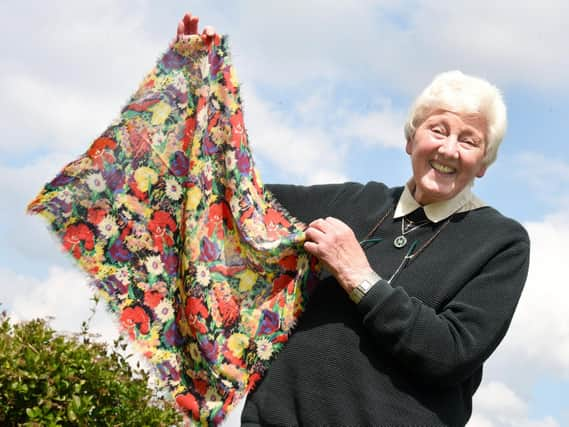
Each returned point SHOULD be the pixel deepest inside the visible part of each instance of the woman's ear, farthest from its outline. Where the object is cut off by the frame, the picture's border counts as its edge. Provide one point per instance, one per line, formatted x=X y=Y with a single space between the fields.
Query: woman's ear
x=482 y=171
x=409 y=146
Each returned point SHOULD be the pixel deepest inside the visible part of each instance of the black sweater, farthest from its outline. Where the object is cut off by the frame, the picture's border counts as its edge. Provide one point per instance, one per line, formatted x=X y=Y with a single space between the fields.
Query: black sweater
x=411 y=352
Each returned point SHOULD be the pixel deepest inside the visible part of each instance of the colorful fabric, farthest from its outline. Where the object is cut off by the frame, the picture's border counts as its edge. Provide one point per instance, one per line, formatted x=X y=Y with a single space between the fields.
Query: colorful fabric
x=166 y=212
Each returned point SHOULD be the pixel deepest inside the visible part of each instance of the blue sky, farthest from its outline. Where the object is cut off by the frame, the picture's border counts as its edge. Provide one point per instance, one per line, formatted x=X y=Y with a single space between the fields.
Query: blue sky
x=326 y=88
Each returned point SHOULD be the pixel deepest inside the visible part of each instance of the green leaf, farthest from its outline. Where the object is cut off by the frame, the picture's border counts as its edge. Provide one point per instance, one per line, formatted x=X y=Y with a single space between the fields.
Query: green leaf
x=76 y=401
x=70 y=414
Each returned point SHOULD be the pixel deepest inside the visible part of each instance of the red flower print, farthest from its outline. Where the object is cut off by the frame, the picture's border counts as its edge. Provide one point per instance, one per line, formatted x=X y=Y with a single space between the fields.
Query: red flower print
x=273 y=219
x=231 y=358
x=281 y=338
x=73 y=237
x=253 y=380
x=139 y=141
x=132 y=317
x=189 y=130
x=227 y=305
x=237 y=129
x=152 y=298
x=280 y=283
x=188 y=402
x=213 y=121
x=194 y=310
x=158 y=226
x=143 y=105
x=218 y=212
x=95 y=216
x=227 y=79
x=100 y=151
x=200 y=385
x=289 y=262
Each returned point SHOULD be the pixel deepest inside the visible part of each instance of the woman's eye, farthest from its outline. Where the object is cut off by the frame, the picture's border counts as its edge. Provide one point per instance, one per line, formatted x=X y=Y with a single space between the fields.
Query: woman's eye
x=438 y=130
x=470 y=141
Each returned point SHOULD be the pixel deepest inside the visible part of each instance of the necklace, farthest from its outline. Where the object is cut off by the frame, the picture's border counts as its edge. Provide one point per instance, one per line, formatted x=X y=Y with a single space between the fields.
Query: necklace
x=400 y=241
x=411 y=253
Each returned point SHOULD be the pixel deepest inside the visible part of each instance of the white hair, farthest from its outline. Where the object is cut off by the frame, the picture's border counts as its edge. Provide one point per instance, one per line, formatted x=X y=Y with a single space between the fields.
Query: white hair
x=462 y=94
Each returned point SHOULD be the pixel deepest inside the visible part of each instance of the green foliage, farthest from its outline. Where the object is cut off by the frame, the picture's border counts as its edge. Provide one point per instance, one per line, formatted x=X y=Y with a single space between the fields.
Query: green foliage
x=50 y=379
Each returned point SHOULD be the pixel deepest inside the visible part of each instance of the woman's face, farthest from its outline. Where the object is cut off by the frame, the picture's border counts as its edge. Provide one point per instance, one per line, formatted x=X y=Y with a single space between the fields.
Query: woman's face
x=447 y=153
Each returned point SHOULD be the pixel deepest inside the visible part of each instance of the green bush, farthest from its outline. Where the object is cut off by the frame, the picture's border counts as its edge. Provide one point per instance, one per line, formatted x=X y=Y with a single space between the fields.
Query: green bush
x=50 y=379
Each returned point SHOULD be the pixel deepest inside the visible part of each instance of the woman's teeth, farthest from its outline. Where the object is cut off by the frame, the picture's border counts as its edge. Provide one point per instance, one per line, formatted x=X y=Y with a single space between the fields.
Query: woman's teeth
x=442 y=168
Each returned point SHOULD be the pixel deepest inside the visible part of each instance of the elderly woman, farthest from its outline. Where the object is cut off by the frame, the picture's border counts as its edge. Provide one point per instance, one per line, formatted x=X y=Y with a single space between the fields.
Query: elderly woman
x=423 y=279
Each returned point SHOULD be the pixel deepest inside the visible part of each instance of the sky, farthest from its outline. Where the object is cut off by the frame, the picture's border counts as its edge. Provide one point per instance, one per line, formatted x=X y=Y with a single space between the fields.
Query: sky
x=326 y=88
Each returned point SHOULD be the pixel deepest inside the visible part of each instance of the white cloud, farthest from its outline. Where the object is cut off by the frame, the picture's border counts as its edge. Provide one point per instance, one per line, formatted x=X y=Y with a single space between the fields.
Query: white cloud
x=70 y=75
x=305 y=154
x=545 y=299
x=537 y=344
x=495 y=397
x=496 y=405
x=382 y=127
x=53 y=113
x=516 y=42
x=401 y=44
x=26 y=235
x=546 y=176
x=63 y=295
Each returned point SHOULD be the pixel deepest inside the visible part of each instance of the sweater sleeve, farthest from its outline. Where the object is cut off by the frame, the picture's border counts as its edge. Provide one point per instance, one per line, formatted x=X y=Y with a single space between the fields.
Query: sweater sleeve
x=446 y=346
x=307 y=202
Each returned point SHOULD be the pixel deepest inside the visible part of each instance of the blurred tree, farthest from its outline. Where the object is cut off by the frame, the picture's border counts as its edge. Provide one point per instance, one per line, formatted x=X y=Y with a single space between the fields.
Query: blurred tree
x=51 y=379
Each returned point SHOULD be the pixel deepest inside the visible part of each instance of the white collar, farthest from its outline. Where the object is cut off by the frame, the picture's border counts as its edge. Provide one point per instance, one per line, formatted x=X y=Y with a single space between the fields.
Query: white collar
x=438 y=211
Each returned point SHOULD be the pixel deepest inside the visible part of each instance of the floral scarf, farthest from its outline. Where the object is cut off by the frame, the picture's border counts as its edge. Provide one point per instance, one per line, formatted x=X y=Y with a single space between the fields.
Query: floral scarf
x=166 y=212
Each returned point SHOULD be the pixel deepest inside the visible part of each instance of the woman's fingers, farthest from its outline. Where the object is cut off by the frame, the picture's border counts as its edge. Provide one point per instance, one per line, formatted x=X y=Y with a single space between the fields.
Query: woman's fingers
x=320 y=224
x=208 y=34
x=189 y=26
x=314 y=234
x=192 y=27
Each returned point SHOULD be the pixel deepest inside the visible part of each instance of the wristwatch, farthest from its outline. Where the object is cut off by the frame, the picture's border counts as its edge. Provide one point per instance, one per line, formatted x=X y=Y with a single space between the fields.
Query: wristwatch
x=364 y=286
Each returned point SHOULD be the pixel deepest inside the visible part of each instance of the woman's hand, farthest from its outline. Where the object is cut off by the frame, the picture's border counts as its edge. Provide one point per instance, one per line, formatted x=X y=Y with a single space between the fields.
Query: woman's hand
x=334 y=243
x=188 y=26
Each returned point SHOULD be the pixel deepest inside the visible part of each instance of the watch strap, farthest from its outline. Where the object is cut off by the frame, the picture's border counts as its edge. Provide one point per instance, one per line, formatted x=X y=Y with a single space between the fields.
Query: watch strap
x=364 y=286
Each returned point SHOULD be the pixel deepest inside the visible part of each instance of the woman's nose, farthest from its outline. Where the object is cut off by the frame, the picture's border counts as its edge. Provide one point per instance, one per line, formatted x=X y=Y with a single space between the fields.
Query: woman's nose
x=449 y=147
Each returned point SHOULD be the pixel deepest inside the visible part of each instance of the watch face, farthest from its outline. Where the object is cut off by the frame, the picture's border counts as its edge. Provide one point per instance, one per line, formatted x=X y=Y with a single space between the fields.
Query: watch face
x=365 y=286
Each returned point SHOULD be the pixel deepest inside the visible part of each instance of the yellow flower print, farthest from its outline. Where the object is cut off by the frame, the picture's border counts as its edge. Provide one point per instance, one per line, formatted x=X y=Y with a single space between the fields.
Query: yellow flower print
x=195 y=352
x=233 y=373
x=237 y=343
x=246 y=280
x=213 y=399
x=78 y=166
x=193 y=198
x=163 y=81
x=134 y=205
x=145 y=177
x=160 y=113
x=250 y=320
x=105 y=271
x=233 y=76
x=220 y=134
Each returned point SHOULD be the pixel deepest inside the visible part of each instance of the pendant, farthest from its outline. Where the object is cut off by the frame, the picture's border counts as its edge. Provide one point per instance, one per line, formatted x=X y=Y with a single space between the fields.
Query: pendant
x=400 y=241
